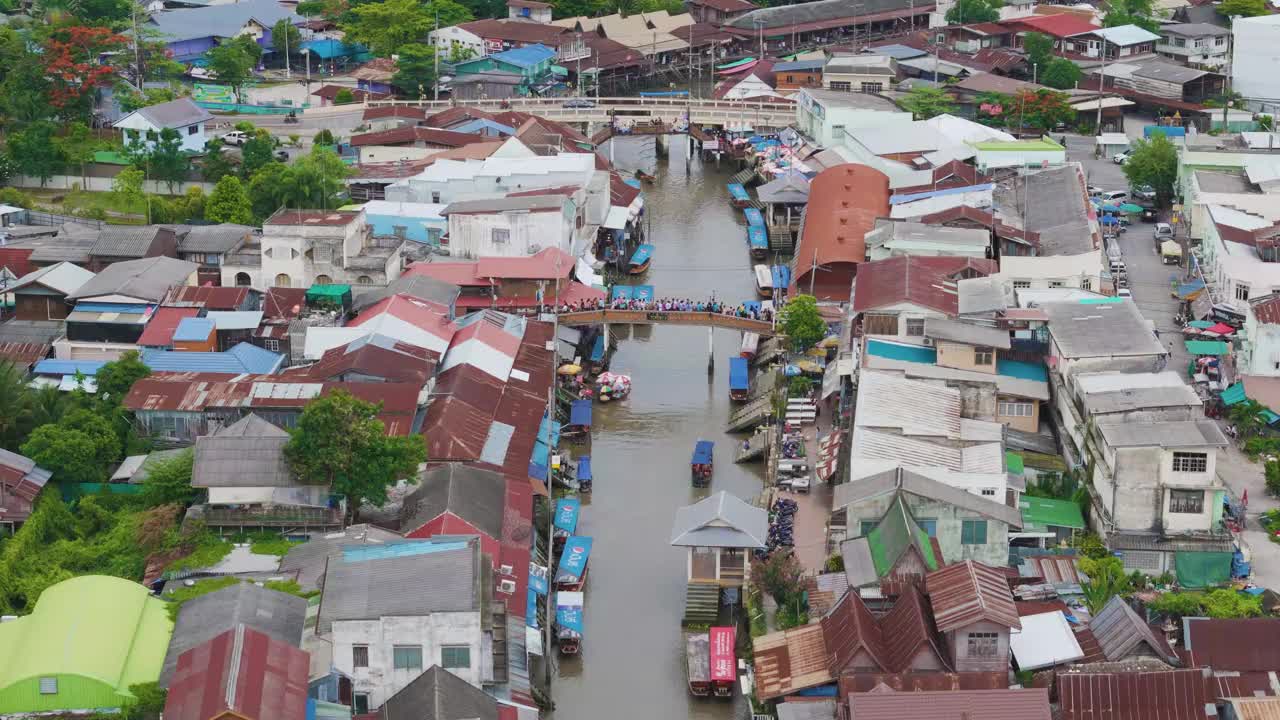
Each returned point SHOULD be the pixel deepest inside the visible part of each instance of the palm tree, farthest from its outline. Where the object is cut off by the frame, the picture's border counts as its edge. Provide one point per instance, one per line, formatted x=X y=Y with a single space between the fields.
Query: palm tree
x=15 y=399
x=47 y=405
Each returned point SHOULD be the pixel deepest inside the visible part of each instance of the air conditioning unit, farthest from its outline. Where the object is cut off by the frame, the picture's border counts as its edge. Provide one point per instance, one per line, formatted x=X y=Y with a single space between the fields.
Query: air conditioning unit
x=507 y=586
x=928 y=342
x=535 y=248
x=506 y=570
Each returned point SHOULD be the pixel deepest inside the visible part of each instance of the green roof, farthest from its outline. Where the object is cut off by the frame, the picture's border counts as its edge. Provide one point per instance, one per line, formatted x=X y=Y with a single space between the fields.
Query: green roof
x=1234 y=394
x=896 y=532
x=102 y=634
x=1013 y=463
x=332 y=291
x=1208 y=347
x=1015 y=145
x=1040 y=513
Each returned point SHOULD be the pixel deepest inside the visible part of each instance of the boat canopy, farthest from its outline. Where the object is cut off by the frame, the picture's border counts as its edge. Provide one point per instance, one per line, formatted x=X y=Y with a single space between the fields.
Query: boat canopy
x=723 y=657
x=584 y=467
x=573 y=561
x=737 y=192
x=580 y=413
x=567 y=515
x=738 y=373
x=569 y=614
x=642 y=254
x=764 y=278
x=736 y=63
x=753 y=217
x=696 y=656
x=702 y=452
x=781 y=275
x=633 y=292
x=597 y=349
x=750 y=342
x=756 y=238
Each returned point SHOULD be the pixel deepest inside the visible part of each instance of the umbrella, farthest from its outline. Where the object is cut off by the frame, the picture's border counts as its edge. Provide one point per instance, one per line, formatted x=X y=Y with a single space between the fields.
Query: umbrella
x=570 y=369
x=816 y=352
x=808 y=366
x=1108 y=220
x=830 y=342
x=1130 y=208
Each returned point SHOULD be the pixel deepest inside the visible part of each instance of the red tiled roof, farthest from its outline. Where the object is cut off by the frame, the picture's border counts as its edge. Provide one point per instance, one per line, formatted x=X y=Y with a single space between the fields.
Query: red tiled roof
x=416 y=134
x=1170 y=695
x=1245 y=644
x=1024 y=704
x=999 y=59
x=1089 y=645
x=969 y=592
x=209 y=297
x=547 y=264
x=395 y=111
x=159 y=330
x=989 y=28
x=462 y=274
x=923 y=280
x=844 y=202
x=1058 y=26
x=1267 y=309
x=851 y=632
x=241 y=673
x=283 y=303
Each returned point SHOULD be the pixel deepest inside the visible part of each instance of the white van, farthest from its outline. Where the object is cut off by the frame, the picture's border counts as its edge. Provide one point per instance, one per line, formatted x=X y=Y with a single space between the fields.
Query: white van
x=1115 y=196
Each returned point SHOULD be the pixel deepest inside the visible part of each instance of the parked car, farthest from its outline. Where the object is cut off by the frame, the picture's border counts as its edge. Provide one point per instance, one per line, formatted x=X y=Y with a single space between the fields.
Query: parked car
x=1149 y=213
x=236 y=137
x=1124 y=293
x=1120 y=158
x=1114 y=196
x=1094 y=191
x=1164 y=231
x=1144 y=192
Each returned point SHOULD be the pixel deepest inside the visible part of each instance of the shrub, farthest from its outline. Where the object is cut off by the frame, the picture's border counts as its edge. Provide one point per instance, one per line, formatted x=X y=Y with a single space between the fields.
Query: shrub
x=1177 y=604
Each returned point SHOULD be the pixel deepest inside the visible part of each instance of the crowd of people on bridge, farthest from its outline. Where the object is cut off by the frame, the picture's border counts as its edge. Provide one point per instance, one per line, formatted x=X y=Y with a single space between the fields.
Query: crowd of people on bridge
x=753 y=311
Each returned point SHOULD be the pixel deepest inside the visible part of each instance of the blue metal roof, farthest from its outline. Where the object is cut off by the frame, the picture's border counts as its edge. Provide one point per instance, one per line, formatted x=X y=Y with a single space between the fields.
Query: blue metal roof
x=897 y=199
x=567 y=514
x=573 y=561
x=526 y=56
x=584 y=468
x=801 y=65
x=125 y=308
x=329 y=48
x=243 y=358
x=702 y=452
x=580 y=413
x=1022 y=370
x=756 y=237
x=479 y=124
x=781 y=275
x=361 y=553
x=642 y=254
x=51 y=366
x=753 y=216
x=193 y=329
x=738 y=373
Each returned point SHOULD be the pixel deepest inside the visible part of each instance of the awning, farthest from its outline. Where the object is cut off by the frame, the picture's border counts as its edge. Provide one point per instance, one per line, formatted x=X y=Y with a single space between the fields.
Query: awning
x=1106 y=103
x=617 y=218
x=559 y=71
x=573 y=562
x=1202 y=569
x=1208 y=347
x=580 y=413
x=1234 y=395
x=828 y=455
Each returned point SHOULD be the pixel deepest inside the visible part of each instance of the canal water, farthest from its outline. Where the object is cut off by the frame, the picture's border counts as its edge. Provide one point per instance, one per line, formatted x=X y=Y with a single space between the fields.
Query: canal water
x=632 y=665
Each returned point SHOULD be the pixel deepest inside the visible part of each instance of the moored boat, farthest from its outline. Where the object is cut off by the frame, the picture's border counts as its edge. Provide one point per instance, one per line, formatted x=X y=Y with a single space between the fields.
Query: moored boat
x=764 y=280
x=702 y=464
x=758 y=242
x=698 y=660
x=739 y=379
x=579 y=425
x=640 y=260
x=566 y=521
x=643 y=176
x=723 y=661
x=584 y=474
x=750 y=344
x=569 y=621
x=571 y=574
x=738 y=196
x=754 y=218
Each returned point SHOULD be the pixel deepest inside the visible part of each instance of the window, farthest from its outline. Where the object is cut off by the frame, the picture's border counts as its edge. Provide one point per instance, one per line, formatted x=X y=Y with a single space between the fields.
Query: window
x=361 y=703
x=872 y=87
x=1057 y=284
x=323 y=280
x=929 y=526
x=1242 y=291
x=48 y=686
x=1086 y=284
x=406 y=657
x=243 y=280
x=791 y=78
x=841 y=86
x=973 y=532
x=455 y=656
x=364 y=280
x=271 y=344
x=984 y=355
x=837 y=130
x=988 y=492
x=1186 y=501
x=1021 y=284
x=192 y=130
x=1190 y=462
x=360 y=656
x=501 y=236
x=1009 y=408
x=865 y=527
x=282 y=280
x=983 y=644
x=915 y=326
x=435 y=197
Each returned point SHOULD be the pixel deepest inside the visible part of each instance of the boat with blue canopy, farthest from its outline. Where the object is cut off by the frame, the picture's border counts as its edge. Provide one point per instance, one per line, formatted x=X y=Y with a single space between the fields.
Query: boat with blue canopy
x=640 y=259
x=566 y=521
x=701 y=465
x=569 y=625
x=584 y=474
x=781 y=276
x=754 y=218
x=738 y=196
x=739 y=383
x=758 y=242
x=579 y=424
x=572 y=572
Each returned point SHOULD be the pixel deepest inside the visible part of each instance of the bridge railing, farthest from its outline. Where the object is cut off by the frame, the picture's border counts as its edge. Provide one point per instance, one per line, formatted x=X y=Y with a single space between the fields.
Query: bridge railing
x=615 y=102
x=652 y=317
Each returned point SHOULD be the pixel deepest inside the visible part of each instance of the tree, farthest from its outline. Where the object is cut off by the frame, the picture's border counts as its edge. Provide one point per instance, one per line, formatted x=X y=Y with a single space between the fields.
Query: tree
x=927 y=102
x=116 y=378
x=34 y=152
x=15 y=398
x=1106 y=580
x=229 y=203
x=257 y=152
x=1060 y=73
x=415 y=71
x=974 y=11
x=73 y=61
x=98 y=429
x=130 y=101
x=1154 y=162
x=388 y=26
x=462 y=53
x=215 y=164
x=232 y=63
x=70 y=455
x=777 y=575
x=265 y=191
x=801 y=322
x=344 y=97
x=167 y=160
x=1227 y=603
x=285 y=38
x=1247 y=417
x=1039 y=49
x=168 y=482
x=315 y=180
x=78 y=145
x=339 y=440
x=1042 y=109
x=128 y=188
x=1242 y=8
x=1176 y=604
x=324 y=138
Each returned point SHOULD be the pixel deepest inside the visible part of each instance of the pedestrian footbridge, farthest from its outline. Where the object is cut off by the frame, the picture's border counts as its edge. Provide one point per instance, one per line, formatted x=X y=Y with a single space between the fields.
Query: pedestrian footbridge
x=665 y=110
x=762 y=328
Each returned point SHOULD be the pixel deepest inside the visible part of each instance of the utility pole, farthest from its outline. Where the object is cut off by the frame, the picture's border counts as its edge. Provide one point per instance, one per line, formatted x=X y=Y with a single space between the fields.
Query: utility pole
x=137 y=54
x=288 y=71
x=436 y=83
x=1102 y=84
x=813 y=270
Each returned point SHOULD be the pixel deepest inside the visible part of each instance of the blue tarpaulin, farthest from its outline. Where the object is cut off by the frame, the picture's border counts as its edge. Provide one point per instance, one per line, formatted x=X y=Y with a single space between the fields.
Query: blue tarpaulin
x=573 y=561
x=548 y=437
x=1186 y=291
x=756 y=238
x=597 y=349
x=738 y=373
x=584 y=467
x=642 y=254
x=753 y=217
x=781 y=276
x=567 y=514
x=539 y=472
x=702 y=452
x=531 y=608
x=1109 y=220
x=538 y=579
x=737 y=192
x=580 y=413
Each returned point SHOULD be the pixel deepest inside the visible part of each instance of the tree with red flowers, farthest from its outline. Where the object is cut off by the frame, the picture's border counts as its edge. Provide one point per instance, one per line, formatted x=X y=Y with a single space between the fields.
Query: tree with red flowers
x=77 y=63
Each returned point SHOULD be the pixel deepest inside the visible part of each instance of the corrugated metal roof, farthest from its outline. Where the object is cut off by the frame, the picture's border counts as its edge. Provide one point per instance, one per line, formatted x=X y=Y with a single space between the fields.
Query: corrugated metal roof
x=188 y=329
x=1026 y=704
x=1101 y=330
x=851 y=632
x=1172 y=695
x=1168 y=434
x=790 y=660
x=910 y=406
x=241 y=673
x=1122 y=634
x=64 y=277
x=235 y=320
x=927 y=281
x=438 y=694
x=1256 y=708
x=243 y=358
x=969 y=592
x=1045 y=640
x=844 y=202
x=148 y=279
x=1246 y=644
x=721 y=520
x=968 y=333
x=163 y=325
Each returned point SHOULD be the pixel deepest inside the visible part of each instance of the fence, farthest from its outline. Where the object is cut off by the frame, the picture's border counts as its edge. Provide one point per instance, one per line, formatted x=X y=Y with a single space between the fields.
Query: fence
x=103 y=184
x=39 y=217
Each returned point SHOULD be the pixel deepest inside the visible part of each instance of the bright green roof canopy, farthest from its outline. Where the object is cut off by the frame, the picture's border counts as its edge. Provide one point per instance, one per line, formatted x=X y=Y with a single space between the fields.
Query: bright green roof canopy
x=1038 y=514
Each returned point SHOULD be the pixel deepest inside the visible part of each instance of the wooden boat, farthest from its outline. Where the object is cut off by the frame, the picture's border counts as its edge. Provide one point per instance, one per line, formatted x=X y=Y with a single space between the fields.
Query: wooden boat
x=758 y=242
x=764 y=280
x=569 y=621
x=723 y=661
x=754 y=217
x=739 y=379
x=738 y=196
x=641 y=259
x=750 y=344
x=584 y=474
x=741 y=66
x=566 y=521
x=579 y=425
x=702 y=464
x=698 y=659
x=572 y=572
x=643 y=176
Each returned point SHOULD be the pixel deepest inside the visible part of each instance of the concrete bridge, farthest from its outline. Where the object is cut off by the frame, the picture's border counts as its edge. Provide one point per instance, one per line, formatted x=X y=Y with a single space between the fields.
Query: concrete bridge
x=639 y=109
x=647 y=317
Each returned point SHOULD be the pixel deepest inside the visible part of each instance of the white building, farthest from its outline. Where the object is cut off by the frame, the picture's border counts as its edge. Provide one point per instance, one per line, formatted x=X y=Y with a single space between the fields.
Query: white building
x=1255 y=55
x=301 y=248
x=1198 y=44
x=513 y=226
x=457 y=41
x=392 y=611
x=181 y=115
x=1085 y=271
x=890 y=238
x=1093 y=337
x=825 y=116
x=1259 y=354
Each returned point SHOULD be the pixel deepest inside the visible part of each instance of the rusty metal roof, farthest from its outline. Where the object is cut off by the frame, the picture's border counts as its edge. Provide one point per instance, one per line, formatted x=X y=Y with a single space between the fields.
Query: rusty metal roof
x=240 y=673
x=969 y=592
x=790 y=660
x=921 y=280
x=1256 y=708
x=1121 y=633
x=844 y=202
x=1170 y=695
x=24 y=354
x=853 y=636
x=861 y=682
x=909 y=633
x=1028 y=704
x=1246 y=644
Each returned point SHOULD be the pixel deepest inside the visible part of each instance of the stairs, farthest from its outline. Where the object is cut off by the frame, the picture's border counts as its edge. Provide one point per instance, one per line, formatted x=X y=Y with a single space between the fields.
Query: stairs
x=781 y=239
x=744 y=177
x=701 y=604
x=750 y=415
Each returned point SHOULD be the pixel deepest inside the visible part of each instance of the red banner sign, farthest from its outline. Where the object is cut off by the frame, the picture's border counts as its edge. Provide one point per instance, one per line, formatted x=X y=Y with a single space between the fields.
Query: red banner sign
x=722 y=654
